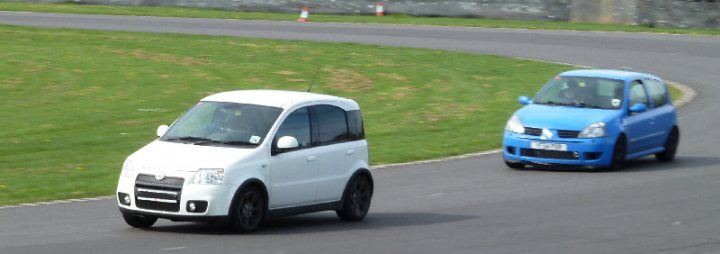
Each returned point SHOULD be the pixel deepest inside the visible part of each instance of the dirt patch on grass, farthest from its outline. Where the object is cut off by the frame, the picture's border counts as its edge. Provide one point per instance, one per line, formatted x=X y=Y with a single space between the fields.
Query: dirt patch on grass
x=393 y=76
x=348 y=80
x=285 y=73
x=162 y=58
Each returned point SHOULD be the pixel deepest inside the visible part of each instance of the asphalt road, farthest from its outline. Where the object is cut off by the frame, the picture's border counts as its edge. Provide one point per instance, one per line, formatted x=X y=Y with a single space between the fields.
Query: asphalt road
x=472 y=205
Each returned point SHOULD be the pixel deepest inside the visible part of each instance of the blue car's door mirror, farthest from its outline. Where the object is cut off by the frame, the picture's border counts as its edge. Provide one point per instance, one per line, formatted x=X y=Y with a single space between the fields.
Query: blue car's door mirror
x=524 y=100
x=638 y=108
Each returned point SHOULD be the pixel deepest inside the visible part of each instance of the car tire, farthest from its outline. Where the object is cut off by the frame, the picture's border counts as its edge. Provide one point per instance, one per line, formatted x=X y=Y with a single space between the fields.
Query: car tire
x=618 y=156
x=139 y=221
x=356 y=199
x=249 y=210
x=514 y=165
x=670 y=147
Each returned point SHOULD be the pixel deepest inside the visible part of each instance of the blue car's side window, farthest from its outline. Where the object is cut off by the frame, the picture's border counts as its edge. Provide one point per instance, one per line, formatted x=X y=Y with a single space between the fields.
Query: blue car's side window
x=638 y=94
x=657 y=92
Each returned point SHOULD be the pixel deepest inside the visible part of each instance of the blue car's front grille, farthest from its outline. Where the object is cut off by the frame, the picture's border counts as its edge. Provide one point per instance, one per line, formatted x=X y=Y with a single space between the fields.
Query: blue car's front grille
x=568 y=134
x=533 y=131
x=561 y=133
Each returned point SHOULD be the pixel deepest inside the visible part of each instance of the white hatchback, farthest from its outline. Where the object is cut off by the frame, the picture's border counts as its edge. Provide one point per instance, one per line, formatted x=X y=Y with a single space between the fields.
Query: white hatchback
x=245 y=156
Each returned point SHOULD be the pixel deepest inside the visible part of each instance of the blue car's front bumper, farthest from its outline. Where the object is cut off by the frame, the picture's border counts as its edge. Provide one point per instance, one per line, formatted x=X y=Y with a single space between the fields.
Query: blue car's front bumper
x=595 y=152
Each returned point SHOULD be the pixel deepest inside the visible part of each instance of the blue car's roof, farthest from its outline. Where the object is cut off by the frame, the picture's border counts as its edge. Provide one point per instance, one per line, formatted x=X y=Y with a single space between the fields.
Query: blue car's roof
x=609 y=74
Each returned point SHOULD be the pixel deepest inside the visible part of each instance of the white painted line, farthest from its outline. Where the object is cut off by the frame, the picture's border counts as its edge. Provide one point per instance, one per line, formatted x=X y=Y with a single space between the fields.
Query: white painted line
x=64 y=201
x=174 y=248
x=464 y=156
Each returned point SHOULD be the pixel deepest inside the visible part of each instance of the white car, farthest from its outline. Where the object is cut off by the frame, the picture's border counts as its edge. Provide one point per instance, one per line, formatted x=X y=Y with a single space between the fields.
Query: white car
x=245 y=156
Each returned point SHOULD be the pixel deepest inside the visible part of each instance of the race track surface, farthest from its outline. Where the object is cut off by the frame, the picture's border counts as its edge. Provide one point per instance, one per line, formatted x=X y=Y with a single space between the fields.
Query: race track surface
x=471 y=205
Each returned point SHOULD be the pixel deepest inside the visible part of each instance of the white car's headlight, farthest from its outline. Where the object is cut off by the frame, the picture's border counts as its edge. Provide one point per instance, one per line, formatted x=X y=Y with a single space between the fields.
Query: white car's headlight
x=212 y=176
x=595 y=130
x=515 y=125
x=128 y=169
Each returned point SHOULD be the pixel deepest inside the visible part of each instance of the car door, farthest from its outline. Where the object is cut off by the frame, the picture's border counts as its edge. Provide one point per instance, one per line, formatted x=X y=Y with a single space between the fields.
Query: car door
x=663 y=112
x=336 y=153
x=638 y=125
x=293 y=173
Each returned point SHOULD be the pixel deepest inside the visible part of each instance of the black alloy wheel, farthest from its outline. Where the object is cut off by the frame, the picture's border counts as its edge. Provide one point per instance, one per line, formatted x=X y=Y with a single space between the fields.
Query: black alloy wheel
x=139 y=221
x=249 y=211
x=356 y=200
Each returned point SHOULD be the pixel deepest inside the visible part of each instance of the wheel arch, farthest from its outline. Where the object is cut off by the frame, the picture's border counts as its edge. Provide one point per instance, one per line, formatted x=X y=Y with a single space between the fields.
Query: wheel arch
x=253 y=182
x=362 y=172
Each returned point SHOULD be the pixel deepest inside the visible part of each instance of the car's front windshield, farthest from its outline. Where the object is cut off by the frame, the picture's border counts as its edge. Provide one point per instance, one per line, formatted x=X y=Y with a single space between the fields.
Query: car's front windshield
x=223 y=124
x=586 y=92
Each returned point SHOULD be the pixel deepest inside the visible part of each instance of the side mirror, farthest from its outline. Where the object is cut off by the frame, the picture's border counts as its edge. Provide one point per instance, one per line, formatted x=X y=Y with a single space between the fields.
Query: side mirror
x=161 y=130
x=524 y=100
x=287 y=142
x=638 y=108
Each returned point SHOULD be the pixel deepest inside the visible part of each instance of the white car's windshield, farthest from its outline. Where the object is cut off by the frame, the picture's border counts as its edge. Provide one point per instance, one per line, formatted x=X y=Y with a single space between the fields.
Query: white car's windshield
x=223 y=124
x=582 y=92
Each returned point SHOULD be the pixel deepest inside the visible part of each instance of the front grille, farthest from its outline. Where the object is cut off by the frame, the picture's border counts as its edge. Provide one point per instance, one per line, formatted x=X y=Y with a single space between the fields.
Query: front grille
x=533 y=131
x=568 y=134
x=150 y=179
x=563 y=155
x=153 y=194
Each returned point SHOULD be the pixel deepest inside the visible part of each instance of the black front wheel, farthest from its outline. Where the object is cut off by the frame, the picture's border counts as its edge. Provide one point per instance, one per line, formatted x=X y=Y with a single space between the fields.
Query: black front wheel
x=356 y=199
x=618 y=156
x=249 y=212
x=139 y=221
x=670 y=147
x=514 y=165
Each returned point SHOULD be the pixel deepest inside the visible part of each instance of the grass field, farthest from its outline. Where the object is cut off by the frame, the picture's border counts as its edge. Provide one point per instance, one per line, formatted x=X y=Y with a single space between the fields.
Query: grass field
x=391 y=19
x=76 y=103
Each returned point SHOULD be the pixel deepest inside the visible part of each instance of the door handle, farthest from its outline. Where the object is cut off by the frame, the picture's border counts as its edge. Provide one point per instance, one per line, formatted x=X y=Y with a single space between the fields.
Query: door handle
x=350 y=152
x=311 y=158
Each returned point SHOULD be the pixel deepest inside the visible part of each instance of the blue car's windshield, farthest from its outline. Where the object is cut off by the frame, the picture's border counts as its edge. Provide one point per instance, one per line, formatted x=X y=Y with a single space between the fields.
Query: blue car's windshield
x=582 y=92
x=223 y=124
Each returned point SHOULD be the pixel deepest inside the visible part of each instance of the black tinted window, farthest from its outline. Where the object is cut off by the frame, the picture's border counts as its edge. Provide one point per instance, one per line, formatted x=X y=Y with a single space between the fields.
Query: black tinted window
x=657 y=92
x=355 y=125
x=331 y=124
x=296 y=125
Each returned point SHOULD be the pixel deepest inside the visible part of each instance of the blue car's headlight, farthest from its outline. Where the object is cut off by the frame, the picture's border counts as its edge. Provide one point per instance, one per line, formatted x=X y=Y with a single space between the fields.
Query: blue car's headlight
x=594 y=130
x=515 y=125
x=212 y=176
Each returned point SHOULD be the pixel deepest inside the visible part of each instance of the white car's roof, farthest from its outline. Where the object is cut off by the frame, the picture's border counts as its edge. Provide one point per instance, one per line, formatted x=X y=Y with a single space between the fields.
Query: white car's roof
x=279 y=98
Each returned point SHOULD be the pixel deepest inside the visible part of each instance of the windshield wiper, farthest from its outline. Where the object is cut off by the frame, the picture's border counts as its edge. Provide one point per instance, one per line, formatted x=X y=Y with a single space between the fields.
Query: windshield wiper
x=230 y=143
x=188 y=138
x=238 y=142
x=585 y=105
x=557 y=103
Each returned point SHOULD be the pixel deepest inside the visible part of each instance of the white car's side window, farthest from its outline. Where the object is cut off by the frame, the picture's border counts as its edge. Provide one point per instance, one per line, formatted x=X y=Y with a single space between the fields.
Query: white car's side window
x=296 y=125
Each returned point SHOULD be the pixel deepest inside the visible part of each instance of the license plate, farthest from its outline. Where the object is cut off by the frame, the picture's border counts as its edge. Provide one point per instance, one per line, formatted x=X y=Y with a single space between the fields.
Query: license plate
x=548 y=146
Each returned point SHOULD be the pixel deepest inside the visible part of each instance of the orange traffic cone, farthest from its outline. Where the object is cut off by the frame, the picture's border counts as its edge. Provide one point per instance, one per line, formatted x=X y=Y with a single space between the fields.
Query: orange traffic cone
x=379 y=9
x=304 y=14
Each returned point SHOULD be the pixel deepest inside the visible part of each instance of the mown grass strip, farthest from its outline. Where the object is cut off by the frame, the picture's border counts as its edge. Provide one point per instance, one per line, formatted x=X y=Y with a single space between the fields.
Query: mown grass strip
x=390 y=19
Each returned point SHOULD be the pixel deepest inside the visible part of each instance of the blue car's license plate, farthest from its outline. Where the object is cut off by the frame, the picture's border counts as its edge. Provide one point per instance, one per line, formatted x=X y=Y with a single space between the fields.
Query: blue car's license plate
x=548 y=146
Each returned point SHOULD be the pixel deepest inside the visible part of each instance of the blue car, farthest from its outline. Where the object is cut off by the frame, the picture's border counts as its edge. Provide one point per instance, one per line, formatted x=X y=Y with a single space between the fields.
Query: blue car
x=593 y=118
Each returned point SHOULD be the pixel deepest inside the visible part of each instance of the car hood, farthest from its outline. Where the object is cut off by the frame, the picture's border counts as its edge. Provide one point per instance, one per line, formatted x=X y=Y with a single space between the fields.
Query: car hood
x=170 y=156
x=563 y=117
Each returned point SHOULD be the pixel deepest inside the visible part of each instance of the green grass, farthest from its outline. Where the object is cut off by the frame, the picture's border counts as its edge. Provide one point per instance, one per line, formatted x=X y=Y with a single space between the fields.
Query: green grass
x=391 y=19
x=76 y=103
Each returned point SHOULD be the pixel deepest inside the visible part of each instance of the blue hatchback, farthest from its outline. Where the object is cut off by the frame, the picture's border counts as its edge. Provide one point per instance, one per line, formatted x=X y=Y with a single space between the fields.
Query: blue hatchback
x=595 y=118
